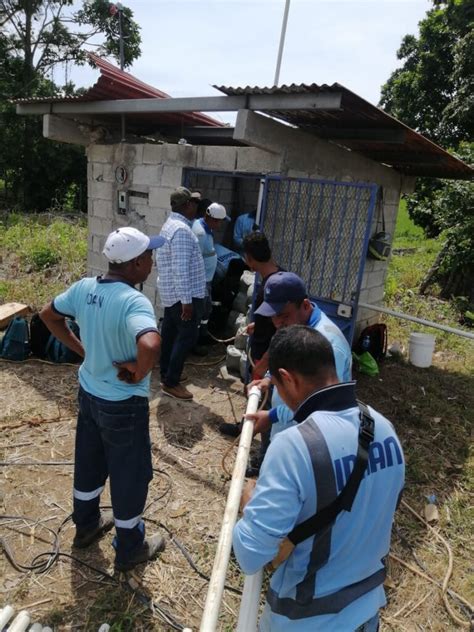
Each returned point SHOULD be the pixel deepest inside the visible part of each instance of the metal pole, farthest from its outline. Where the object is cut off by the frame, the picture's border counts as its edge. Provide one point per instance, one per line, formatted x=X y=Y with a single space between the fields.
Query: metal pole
x=421 y=321
x=282 y=43
x=122 y=64
x=216 y=584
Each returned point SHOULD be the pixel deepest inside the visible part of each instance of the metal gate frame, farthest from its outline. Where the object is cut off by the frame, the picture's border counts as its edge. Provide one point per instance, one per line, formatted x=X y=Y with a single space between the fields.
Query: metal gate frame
x=343 y=313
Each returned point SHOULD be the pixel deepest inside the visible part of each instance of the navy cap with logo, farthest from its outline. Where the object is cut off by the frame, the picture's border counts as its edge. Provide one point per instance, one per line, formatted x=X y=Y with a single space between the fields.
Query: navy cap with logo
x=280 y=289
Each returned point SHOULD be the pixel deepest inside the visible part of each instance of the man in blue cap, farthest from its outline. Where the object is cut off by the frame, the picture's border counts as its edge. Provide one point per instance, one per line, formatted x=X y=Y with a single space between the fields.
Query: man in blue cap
x=120 y=344
x=286 y=302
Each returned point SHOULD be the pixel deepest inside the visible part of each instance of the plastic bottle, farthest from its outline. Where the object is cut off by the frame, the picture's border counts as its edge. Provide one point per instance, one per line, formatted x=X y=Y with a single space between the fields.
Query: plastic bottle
x=365 y=343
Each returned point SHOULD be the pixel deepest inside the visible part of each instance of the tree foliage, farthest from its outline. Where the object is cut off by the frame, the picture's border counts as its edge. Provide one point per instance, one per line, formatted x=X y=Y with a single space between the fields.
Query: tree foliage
x=37 y=36
x=433 y=92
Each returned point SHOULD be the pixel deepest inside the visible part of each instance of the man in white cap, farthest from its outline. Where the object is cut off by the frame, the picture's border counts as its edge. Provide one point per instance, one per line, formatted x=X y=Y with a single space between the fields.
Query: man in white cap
x=120 y=344
x=204 y=229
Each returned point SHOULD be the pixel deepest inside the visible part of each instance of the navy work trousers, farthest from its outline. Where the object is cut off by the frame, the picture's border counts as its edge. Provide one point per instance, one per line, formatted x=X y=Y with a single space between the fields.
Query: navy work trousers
x=113 y=440
x=178 y=337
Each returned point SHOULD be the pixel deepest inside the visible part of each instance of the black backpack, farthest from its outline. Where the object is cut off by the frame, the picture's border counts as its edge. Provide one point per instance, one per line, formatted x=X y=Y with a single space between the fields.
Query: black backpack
x=57 y=352
x=374 y=340
x=39 y=337
x=15 y=344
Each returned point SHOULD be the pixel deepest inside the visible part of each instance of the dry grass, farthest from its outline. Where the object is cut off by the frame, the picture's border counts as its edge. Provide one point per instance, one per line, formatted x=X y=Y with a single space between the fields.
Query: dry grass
x=188 y=496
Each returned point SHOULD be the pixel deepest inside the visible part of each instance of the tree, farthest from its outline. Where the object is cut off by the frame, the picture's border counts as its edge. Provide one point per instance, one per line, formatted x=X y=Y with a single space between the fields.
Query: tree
x=433 y=92
x=35 y=37
x=45 y=33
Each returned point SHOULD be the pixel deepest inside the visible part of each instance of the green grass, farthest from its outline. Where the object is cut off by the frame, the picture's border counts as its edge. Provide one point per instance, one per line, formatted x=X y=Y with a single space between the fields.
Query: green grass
x=413 y=255
x=41 y=255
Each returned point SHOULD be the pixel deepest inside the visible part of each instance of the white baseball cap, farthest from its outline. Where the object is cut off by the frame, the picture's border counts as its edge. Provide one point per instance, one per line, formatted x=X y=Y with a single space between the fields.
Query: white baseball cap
x=217 y=211
x=127 y=243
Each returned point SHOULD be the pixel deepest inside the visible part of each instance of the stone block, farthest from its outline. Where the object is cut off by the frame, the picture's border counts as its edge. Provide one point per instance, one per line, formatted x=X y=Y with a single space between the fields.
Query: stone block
x=172 y=176
x=254 y=160
x=146 y=175
x=96 y=260
x=159 y=197
x=179 y=155
x=97 y=243
x=102 y=172
x=102 y=209
x=101 y=190
x=152 y=154
x=100 y=153
x=98 y=226
x=217 y=158
x=376 y=295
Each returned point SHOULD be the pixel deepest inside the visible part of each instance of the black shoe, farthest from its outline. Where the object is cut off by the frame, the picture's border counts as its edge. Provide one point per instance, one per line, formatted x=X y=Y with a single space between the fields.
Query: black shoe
x=230 y=430
x=149 y=549
x=83 y=538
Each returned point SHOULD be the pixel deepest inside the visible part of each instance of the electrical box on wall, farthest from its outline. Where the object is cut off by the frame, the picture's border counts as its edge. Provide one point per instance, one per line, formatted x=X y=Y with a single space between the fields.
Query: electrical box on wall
x=122 y=206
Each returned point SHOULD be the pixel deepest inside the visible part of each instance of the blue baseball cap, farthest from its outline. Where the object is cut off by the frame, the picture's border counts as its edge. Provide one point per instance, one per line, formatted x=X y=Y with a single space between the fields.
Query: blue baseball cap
x=280 y=289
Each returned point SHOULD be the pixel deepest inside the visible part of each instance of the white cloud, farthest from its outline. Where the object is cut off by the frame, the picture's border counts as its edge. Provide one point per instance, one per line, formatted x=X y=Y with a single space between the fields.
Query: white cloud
x=188 y=45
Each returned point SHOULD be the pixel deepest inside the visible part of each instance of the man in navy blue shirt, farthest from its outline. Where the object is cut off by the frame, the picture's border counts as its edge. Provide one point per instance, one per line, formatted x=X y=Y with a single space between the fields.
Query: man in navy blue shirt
x=333 y=579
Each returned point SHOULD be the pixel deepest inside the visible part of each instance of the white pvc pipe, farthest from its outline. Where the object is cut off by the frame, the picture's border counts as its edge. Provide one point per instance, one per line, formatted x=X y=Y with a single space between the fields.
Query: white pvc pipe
x=415 y=319
x=216 y=584
x=248 y=613
x=20 y=622
x=5 y=615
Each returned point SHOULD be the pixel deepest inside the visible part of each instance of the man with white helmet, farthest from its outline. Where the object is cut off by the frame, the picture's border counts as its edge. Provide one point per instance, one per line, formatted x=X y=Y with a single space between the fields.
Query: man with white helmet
x=204 y=229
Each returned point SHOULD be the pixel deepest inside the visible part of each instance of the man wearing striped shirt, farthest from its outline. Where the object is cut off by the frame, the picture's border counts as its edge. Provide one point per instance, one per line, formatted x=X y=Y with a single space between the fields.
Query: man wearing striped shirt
x=182 y=287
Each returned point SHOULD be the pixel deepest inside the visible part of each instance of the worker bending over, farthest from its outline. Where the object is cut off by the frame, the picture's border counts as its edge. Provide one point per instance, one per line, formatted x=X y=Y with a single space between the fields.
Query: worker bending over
x=330 y=570
x=286 y=302
x=119 y=344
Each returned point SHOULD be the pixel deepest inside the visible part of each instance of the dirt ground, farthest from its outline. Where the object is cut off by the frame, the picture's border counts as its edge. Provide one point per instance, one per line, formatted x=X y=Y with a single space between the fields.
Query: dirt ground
x=432 y=410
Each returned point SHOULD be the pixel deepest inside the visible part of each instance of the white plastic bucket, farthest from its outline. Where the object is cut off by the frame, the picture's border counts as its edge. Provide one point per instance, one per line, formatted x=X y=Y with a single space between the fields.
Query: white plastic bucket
x=421 y=349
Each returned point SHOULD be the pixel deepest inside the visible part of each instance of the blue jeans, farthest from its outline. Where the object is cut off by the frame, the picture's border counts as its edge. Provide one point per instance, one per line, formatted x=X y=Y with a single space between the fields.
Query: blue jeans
x=372 y=625
x=113 y=440
x=178 y=337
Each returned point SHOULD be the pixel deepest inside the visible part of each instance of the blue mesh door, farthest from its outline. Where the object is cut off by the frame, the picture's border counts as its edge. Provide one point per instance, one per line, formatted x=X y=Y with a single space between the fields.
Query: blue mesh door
x=320 y=229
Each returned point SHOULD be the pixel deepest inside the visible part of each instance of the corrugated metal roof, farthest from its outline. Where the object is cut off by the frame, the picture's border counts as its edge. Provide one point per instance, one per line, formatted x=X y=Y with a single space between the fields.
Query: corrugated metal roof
x=355 y=127
x=114 y=84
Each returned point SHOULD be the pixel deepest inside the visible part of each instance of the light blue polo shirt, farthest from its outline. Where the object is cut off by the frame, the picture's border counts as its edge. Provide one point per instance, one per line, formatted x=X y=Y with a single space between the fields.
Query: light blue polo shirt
x=111 y=315
x=287 y=494
x=280 y=415
x=206 y=245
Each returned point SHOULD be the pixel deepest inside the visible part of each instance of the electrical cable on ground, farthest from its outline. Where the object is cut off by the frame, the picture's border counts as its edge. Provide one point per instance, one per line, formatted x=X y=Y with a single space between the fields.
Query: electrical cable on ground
x=75 y=364
x=444 y=585
x=39 y=566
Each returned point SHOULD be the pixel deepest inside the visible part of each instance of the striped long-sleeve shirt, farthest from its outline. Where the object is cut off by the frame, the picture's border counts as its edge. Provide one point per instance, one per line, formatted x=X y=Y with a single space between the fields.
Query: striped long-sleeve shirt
x=180 y=264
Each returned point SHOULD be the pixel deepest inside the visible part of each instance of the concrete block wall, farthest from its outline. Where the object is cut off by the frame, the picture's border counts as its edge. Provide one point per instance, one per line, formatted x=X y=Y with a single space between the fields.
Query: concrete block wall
x=154 y=171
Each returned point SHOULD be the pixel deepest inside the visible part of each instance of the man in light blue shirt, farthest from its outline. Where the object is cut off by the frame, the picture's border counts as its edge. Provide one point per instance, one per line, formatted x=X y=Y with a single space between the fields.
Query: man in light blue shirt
x=204 y=228
x=286 y=303
x=182 y=287
x=119 y=344
x=332 y=580
x=244 y=224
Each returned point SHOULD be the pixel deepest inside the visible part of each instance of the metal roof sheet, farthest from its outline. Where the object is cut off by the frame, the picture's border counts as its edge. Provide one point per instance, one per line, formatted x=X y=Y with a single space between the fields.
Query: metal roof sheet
x=362 y=127
x=114 y=84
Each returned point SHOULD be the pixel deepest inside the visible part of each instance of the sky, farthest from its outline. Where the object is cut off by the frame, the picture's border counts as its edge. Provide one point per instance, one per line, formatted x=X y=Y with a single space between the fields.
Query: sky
x=189 y=45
